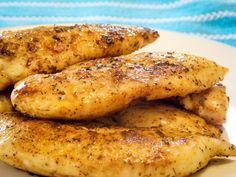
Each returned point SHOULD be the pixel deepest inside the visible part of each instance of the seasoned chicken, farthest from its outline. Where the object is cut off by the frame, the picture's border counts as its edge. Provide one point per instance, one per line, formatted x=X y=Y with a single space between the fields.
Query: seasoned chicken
x=97 y=87
x=211 y=104
x=212 y=108
x=69 y=149
x=48 y=49
x=166 y=117
x=5 y=102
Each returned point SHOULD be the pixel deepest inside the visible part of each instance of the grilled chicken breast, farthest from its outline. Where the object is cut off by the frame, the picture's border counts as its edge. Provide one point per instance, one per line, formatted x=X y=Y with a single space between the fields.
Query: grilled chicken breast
x=69 y=149
x=165 y=117
x=5 y=102
x=48 y=49
x=97 y=87
x=211 y=104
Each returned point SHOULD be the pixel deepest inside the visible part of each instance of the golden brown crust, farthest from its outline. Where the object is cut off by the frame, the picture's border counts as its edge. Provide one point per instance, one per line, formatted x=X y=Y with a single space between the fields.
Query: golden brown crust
x=97 y=87
x=71 y=149
x=50 y=49
x=167 y=118
x=211 y=104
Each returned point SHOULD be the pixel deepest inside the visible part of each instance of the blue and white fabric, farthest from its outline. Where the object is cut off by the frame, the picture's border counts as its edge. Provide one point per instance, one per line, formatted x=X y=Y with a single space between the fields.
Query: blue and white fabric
x=212 y=19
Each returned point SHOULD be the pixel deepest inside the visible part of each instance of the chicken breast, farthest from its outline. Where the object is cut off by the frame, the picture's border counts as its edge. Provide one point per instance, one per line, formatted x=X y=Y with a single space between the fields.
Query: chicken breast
x=213 y=108
x=211 y=104
x=48 y=49
x=5 y=102
x=69 y=149
x=167 y=118
x=159 y=114
x=98 y=87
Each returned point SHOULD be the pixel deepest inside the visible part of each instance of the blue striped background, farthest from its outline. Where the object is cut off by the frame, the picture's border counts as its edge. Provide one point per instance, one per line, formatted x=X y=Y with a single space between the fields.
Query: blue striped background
x=212 y=19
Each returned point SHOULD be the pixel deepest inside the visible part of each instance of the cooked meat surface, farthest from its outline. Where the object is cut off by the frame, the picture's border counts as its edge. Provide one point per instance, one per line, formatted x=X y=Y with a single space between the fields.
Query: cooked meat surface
x=68 y=149
x=5 y=102
x=98 y=87
x=48 y=49
x=159 y=114
x=165 y=117
x=211 y=104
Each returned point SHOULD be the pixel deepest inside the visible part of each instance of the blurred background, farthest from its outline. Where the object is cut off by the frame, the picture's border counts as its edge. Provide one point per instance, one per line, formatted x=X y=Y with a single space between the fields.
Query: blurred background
x=211 y=19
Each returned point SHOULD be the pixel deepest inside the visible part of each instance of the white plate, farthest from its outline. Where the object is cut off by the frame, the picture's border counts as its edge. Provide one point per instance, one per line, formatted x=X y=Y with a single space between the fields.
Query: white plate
x=222 y=54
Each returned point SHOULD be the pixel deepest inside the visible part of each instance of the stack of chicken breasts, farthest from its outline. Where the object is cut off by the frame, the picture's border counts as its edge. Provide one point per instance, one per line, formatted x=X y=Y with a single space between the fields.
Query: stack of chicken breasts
x=84 y=105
